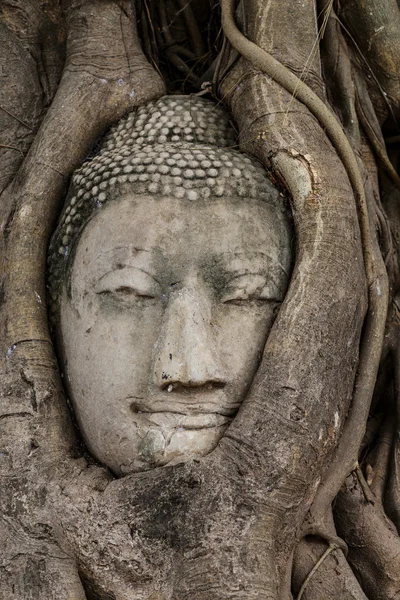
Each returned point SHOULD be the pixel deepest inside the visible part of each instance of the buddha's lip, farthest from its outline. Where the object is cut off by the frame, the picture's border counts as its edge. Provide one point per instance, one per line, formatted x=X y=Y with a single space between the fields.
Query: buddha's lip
x=213 y=407
x=179 y=420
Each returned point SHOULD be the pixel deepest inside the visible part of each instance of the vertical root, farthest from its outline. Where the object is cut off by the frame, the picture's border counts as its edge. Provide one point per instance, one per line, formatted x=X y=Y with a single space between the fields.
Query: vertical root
x=347 y=451
x=327 y=552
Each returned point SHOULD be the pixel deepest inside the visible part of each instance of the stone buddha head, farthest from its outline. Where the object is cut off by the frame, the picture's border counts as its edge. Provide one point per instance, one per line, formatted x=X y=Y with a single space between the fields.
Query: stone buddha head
x=165 y=272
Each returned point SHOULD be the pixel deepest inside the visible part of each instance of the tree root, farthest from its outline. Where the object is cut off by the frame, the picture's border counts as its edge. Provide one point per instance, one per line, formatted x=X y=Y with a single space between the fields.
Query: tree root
x=369 y=122
x=100 y=82
x=368 y=494
x=375 y=26
x=347 y=452
x=266 y=63
x=374 y=546
x=192 y=27
x=333 y=579
x=327 y=552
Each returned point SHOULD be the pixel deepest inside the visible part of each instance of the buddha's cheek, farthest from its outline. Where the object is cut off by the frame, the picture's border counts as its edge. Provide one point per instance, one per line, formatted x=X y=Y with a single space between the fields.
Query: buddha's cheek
x=108 y=358
x=242 y=331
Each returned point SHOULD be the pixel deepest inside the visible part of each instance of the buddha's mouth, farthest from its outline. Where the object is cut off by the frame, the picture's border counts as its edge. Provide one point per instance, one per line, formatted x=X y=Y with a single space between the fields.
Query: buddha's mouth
x=176 y=419
x=215 y=407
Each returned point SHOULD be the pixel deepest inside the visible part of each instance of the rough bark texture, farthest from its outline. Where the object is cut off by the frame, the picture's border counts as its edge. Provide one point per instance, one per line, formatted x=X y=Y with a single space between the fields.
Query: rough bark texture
x=252 y=519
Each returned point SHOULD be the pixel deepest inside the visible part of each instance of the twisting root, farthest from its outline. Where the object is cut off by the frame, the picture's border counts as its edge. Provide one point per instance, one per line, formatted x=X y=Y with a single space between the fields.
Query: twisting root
x=10 y=114
x=172 y=49
x=377 y=145
x=346 y=454
x=192 y=27
x=368 y=495
x=321 y=32
x=327 y=552
x=11 y=148
x=394 y=139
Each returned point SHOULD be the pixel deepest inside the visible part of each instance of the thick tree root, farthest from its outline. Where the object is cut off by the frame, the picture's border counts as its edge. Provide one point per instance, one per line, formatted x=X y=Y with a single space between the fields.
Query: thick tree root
x=100 y=82
x=347 y=452
x=374 y=545
x=332 y=580
x=315 y=568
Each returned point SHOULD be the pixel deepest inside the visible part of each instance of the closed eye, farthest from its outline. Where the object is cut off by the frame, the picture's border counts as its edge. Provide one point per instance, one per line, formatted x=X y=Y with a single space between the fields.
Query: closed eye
x=124 y=290
x=250 y=287
x=128 y=283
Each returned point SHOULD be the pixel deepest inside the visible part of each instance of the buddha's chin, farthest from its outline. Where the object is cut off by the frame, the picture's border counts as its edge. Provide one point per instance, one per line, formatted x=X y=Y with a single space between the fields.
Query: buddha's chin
x=161 y=444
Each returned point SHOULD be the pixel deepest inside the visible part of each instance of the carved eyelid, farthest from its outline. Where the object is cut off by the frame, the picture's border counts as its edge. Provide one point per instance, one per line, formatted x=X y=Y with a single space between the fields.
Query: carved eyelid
x=235 y=276
x=128 y=278
x=265 y=290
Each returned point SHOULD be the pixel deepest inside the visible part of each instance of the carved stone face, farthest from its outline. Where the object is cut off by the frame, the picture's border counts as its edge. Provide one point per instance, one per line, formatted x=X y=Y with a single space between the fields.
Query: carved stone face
x=164 y=323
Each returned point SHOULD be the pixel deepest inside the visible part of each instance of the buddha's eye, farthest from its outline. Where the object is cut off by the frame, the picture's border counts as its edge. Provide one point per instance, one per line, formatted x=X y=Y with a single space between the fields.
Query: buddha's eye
x=249 y=287
x=127 y=285
x=126 y=291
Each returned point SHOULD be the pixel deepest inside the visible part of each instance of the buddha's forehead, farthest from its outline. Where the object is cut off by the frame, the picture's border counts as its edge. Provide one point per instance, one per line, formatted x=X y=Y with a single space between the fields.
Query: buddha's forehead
x=171 y=232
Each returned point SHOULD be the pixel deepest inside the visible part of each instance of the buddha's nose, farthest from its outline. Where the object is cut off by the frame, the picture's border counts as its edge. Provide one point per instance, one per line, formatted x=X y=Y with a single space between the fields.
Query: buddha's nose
x=186 y=354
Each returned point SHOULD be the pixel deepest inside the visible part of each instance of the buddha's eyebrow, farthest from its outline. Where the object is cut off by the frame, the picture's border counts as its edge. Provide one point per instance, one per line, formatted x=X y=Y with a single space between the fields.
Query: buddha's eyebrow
x=115 y=249
x=119 y=257
x=244 y=261
x=122 y=267
x=221 y=268
x=104 y=255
